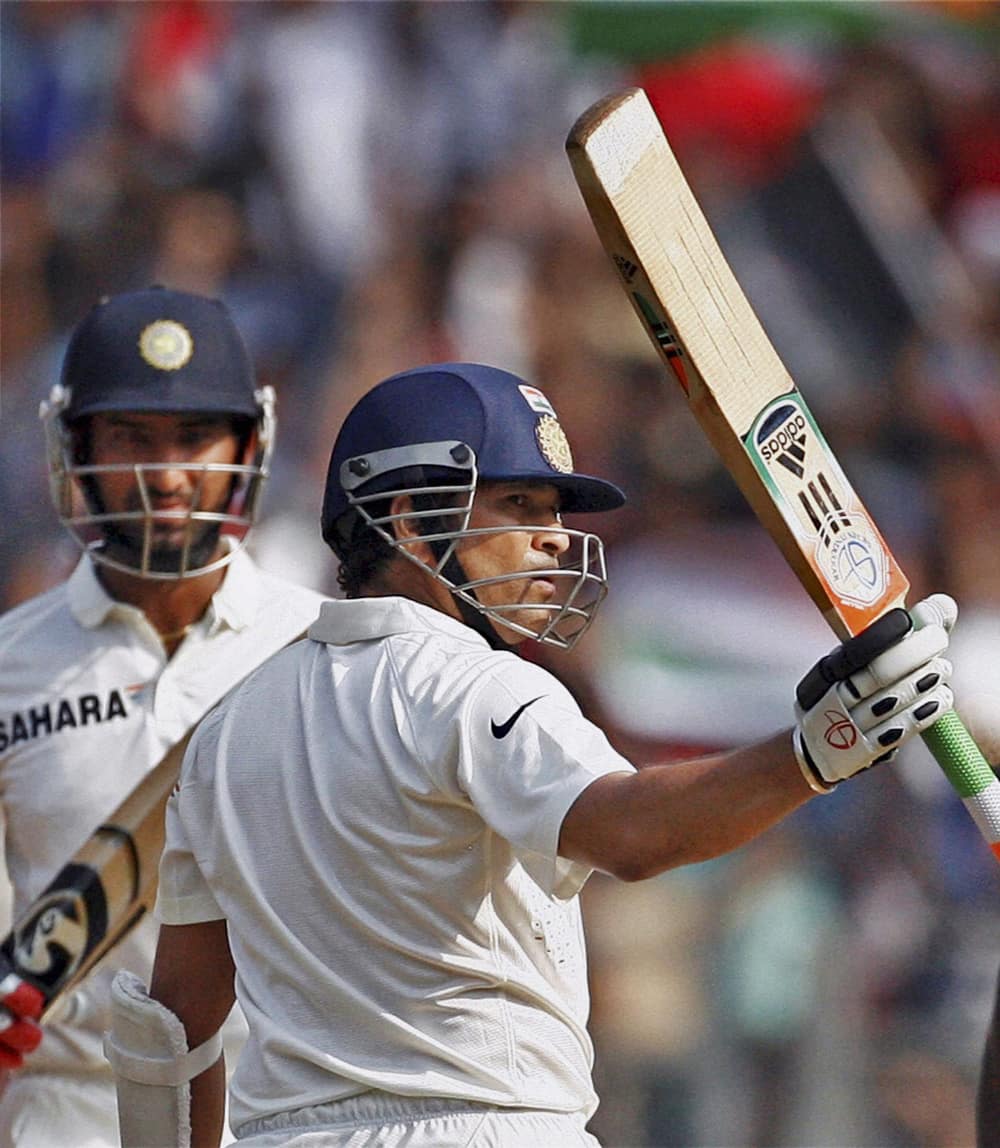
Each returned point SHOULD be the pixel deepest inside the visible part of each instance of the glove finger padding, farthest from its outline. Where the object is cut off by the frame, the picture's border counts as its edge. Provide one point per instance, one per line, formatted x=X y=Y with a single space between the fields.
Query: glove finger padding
x=861 y=702
x=939 y=608
x=18 y=998
x=910 y=719
x=916 y=650
x=21 y=1005
x=17 y=1036
x=925 y=683
x=852 y=656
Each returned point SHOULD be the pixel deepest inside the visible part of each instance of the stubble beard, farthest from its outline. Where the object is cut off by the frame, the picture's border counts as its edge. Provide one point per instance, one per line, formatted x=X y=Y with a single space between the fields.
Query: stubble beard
x=125 y=545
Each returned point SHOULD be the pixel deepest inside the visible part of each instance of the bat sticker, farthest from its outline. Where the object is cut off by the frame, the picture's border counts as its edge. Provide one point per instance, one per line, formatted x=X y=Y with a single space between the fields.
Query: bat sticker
x=817 y=502
x=665 y=338
x=64 y=925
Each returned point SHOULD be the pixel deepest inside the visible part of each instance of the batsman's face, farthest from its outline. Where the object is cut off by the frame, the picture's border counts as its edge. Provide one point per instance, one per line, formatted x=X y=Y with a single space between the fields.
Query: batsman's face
x=168 y=453
x=529 y=539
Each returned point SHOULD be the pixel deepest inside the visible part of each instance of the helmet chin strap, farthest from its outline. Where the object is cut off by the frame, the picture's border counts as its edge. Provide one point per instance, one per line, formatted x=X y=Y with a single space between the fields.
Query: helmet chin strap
x=473 y=618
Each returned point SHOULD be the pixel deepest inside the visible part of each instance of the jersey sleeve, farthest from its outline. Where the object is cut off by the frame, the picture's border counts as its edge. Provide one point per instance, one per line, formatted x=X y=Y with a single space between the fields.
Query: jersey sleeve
x=526 y=753
x=183 y=896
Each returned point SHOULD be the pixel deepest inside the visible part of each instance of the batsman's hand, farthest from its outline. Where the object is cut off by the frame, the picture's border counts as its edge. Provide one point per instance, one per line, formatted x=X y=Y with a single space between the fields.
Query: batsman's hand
x=21 y=1005
x=861 y=702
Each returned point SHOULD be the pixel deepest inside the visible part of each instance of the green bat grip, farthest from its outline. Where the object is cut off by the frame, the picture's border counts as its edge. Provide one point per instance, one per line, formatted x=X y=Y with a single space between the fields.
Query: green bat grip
x=959 y=756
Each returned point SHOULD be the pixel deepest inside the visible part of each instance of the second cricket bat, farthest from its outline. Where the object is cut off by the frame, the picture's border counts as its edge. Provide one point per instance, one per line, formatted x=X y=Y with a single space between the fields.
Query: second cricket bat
x=98 y=896
x=707 y=334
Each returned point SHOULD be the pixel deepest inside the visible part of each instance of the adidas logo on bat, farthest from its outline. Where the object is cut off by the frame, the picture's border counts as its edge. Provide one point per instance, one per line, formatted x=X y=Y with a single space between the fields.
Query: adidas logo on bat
x=626 y=267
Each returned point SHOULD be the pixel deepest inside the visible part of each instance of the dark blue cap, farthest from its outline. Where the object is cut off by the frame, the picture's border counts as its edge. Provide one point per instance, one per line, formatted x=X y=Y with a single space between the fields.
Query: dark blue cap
x=509 y=424
x=158 y=350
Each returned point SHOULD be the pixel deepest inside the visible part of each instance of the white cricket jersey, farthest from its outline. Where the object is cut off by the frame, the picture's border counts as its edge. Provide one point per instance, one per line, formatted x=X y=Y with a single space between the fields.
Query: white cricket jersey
x=376 y=813
x=89 y=704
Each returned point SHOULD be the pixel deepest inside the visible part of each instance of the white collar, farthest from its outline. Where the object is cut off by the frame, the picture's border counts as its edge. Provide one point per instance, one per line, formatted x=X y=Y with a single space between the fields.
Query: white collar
x=342 y=621
x=233 y=605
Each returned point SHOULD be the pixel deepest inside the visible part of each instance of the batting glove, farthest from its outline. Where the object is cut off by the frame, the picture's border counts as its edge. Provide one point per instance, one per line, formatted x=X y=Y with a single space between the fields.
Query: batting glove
x=20 y=1006
x=860 y=703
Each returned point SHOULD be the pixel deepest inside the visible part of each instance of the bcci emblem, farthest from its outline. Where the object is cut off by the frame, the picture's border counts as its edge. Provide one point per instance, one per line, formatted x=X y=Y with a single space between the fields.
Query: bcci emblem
x=166 y=345
x=554 y=445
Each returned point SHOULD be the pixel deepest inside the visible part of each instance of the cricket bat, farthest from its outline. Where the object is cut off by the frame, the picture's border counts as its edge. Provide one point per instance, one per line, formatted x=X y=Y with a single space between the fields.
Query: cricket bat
x=707 y=334
x=99 y=895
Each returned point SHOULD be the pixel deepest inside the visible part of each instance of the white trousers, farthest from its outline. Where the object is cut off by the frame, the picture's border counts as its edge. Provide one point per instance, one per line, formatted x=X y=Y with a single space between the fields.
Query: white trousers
x=52 y=1110
x=380 y=1120
x=48 y=1110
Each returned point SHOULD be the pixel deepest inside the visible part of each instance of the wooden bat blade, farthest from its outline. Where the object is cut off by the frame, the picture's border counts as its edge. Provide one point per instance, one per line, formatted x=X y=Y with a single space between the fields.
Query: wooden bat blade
x=99 y=895
x=706 y=332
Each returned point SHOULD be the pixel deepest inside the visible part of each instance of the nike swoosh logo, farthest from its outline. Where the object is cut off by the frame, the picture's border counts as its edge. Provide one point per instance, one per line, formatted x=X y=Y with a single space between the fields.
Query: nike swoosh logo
x=500 y=731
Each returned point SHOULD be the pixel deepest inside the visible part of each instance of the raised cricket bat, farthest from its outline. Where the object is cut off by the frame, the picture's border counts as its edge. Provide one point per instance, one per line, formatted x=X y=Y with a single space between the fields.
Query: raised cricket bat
x=99 y=895
x=706 y=332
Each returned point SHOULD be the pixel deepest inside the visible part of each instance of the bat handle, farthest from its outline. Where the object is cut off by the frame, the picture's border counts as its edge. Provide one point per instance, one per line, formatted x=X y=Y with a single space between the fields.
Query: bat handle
x=969 y=773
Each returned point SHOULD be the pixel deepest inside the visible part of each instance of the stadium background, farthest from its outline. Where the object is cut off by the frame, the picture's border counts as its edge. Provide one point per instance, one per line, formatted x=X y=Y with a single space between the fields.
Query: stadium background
x=370 y=185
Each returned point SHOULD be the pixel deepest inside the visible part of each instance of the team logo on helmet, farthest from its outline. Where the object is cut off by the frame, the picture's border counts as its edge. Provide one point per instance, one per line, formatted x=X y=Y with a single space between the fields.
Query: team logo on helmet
x=166 y=345
x=536 y=400
x=554 y=445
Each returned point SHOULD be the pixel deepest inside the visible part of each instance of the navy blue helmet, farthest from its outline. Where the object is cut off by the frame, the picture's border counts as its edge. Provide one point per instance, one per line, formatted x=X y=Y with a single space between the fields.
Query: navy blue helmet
x=442 y=429
x=158 y=350
x=162 y=352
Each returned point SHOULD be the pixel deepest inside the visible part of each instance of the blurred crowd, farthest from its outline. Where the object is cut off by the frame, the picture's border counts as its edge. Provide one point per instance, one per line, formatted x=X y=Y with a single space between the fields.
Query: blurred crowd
x=374 y=185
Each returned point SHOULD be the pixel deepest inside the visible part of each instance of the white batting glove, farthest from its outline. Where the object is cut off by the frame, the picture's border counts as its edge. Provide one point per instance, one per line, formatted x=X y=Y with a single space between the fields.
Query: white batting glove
x=860 y=703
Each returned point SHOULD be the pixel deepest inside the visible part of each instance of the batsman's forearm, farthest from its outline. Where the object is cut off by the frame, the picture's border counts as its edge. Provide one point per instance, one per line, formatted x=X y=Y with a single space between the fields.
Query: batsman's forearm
x=634 y=826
